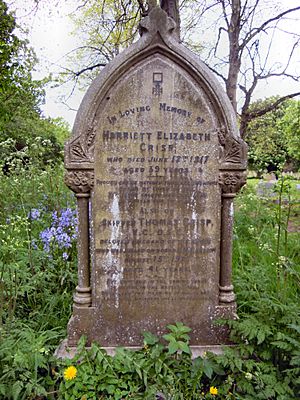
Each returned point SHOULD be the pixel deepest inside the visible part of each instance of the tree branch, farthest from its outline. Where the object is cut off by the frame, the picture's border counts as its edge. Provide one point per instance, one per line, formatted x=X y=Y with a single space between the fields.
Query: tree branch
x=78 y=73
x=255 y=31
x=271 y=107
x=217 y=73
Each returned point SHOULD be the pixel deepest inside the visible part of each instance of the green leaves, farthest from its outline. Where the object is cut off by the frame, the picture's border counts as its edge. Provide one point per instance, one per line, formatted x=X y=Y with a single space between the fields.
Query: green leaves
x=178 y=338
x=150 y=339
x=273 y=139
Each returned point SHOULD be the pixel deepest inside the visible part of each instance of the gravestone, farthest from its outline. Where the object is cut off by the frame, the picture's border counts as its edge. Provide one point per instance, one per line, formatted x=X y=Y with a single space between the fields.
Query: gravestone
x=155 y=161
x=266 y=189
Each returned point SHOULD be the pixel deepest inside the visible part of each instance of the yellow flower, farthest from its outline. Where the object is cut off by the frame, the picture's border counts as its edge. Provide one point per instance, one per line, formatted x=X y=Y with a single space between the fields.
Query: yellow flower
x=213 y=390
x=70 y=373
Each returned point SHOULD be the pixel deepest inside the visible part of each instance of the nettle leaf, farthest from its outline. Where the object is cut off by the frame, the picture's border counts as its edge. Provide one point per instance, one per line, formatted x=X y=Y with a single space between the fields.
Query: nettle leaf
x=173 y=347
x=184 y=347
x=150 y=339
x=179 y=328
x=169 y=337
x=207 y=368
x=197 y=367
x=156 y=350
x=110 y=389
x=185 y=337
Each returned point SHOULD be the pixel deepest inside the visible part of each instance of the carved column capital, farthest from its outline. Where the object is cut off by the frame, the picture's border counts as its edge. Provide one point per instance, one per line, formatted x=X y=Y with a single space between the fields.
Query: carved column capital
x=80 y=181
x=232 y=181
x=233 y=150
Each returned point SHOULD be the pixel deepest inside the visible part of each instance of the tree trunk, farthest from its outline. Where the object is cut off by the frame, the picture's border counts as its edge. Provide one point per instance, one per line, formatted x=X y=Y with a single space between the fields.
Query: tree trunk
x=234 y=52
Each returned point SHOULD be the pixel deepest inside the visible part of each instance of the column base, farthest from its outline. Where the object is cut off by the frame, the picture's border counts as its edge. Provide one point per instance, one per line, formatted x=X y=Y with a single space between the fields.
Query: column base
x=82 y=297
x=226 y=295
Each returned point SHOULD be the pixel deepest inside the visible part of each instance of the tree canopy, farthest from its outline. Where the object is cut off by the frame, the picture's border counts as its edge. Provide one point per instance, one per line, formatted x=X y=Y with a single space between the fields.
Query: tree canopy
x=21 y=96
x=274 y=138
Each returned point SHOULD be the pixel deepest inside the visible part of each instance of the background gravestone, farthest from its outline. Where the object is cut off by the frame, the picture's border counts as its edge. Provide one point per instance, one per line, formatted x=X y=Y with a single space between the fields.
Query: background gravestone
x=155 y=161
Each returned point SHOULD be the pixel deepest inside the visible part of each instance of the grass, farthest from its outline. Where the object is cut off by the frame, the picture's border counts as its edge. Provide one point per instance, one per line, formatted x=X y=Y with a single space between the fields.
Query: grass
x=38 y=276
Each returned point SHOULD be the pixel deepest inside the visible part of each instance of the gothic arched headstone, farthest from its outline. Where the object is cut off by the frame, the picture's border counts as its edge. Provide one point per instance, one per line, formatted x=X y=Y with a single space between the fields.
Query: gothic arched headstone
x=155 y=161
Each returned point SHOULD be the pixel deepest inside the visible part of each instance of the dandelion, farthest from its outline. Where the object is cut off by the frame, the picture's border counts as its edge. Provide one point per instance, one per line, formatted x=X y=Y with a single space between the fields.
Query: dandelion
x=70 y=373
x=213 y=390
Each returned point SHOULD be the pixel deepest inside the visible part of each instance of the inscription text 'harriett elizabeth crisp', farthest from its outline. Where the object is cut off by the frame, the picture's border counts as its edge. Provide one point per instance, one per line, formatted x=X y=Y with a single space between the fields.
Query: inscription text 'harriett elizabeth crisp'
x=155 y=162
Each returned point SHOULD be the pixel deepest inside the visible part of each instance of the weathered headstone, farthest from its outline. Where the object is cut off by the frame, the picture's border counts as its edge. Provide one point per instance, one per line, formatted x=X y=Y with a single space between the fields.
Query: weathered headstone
x=155 y=161
x=266 y=188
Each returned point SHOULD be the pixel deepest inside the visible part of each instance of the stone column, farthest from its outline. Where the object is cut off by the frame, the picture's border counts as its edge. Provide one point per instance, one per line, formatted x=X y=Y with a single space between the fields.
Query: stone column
x=230 y=183
x=82 y=296
x=81 y=182
x=226 y=294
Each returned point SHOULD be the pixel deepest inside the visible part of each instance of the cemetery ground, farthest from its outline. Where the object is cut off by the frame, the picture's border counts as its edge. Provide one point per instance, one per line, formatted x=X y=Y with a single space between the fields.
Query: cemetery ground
x=38 y=274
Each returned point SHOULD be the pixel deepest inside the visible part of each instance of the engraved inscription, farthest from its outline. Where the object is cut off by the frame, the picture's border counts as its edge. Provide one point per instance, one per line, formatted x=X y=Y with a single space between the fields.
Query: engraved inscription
x=157 y=196
x=157 y=89
x=155 y=161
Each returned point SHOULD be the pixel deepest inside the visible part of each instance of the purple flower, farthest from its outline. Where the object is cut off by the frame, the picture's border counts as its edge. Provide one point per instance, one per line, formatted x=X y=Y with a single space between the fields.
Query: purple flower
x=65 y=256
x=54 y=216
x=63 y=231
x=67 y=217
x=46 y=237
x=34 y=214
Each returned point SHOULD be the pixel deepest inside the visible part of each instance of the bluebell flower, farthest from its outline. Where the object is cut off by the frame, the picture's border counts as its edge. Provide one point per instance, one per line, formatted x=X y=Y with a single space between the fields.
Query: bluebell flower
x=34 y=214
x=65 y=256
x=54 y=216
x=46 y=237
x=66 y=217
x=63 y=231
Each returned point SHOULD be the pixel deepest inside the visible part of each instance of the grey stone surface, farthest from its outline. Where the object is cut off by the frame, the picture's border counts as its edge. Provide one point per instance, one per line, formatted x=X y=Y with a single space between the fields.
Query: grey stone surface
x=266 y=188
x=156 y=152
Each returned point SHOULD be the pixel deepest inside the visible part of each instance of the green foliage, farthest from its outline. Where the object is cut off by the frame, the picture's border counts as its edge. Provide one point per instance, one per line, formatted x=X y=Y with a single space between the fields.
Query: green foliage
x=35 y=286
x=25 y=354
x=264 y=364
x=267 y=285
x=19 y=94
x=156 y=369
x=290 y=125
x=28 y=275
x=273 y=139
x=105 y=29
x=21 y=123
